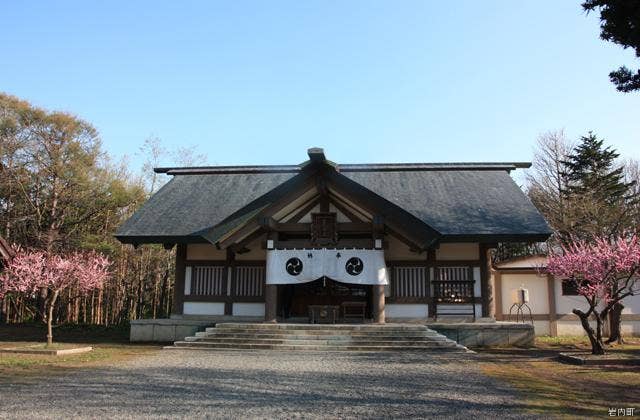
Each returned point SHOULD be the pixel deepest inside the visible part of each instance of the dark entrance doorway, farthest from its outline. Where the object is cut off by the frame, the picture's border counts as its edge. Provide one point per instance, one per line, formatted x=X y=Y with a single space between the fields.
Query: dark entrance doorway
x=294 y=299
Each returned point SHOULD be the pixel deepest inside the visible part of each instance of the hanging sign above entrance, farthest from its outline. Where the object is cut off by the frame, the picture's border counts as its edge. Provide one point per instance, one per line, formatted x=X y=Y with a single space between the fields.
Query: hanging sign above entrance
x=357 y=266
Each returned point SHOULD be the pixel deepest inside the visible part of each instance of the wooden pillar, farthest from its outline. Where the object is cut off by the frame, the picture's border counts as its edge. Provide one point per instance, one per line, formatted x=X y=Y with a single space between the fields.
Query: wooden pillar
x=431 y=267
x=497 y=284
x=231 y=273
x=378 y=304
x=270 y=303
x=551 y=293
x=486 y=284
x=178 y=287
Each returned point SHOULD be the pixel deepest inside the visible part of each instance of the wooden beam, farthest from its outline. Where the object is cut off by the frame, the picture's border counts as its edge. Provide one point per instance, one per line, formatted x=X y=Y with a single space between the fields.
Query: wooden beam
x=378 y=224
x=347 y=227
x=240 y=246
x=342 y=243
x=304 y=210
x=348 y=213
x=235 y=237
x=518 y=271
x=323 y=192
x=268 y=223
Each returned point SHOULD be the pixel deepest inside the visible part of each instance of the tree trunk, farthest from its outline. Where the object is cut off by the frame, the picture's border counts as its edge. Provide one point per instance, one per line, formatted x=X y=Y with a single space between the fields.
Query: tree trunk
x=51 y=305
x=595 y=337
x=615 y=324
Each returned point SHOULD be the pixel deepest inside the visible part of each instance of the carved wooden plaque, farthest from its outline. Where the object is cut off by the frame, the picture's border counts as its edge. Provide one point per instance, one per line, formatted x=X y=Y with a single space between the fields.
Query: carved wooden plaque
x=324 y=228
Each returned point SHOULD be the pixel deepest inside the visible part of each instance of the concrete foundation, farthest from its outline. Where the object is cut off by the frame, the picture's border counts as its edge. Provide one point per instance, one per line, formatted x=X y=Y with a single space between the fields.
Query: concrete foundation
x=469 y=334
x=494 y=334
x=165 y=330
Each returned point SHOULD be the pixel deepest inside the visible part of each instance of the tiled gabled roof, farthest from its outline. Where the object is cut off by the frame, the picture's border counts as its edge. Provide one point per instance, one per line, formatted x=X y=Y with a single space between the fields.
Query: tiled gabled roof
x=461 y=201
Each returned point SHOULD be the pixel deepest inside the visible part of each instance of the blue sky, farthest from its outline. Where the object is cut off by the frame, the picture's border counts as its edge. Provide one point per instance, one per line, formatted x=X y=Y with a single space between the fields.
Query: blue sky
x=370 y=81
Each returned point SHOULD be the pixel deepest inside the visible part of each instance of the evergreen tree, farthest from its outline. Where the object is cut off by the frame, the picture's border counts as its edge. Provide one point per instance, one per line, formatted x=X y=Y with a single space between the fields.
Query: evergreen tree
x=595 y=187
x=591 y=169
x=620 y=24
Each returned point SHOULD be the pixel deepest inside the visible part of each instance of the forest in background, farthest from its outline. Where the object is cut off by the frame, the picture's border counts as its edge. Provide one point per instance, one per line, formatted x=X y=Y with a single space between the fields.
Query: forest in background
x=61 y=192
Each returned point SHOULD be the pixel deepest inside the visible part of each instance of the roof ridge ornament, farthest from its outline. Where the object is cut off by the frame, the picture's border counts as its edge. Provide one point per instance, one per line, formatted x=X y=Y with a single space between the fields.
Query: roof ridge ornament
x=316 y=154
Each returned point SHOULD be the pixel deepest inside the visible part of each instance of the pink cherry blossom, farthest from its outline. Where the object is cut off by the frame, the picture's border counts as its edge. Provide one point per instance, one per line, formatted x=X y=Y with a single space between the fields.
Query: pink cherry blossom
x=605 y=271
x=32 y=271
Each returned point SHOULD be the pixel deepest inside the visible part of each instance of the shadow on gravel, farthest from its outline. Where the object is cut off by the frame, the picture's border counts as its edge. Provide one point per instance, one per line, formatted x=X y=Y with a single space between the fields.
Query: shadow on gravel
x=266 y=384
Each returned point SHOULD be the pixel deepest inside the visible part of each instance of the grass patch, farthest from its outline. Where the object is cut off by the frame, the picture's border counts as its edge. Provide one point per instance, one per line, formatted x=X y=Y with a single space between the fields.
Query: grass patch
x=576 y=342
x=67 y=333
x=20 y=367
x=555 y=389
x=110 y=347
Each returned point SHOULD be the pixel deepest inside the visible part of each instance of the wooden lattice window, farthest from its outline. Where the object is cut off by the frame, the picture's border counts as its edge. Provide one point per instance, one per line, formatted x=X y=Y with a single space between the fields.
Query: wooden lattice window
x=249 y=281
x=206 y=281
x=570 y=287
x=324 y=228
x=410 y=282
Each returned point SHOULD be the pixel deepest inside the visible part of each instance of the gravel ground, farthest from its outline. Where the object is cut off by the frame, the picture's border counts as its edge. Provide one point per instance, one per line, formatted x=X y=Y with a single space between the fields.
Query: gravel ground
x=269 y=384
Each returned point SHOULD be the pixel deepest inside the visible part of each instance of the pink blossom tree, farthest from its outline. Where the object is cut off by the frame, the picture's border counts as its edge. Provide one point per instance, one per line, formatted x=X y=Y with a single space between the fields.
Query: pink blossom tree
x=31 y=271
x=605 y=272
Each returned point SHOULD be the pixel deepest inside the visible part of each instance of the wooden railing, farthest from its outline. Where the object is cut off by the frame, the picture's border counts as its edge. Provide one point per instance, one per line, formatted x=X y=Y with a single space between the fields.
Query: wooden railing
x=460 y=291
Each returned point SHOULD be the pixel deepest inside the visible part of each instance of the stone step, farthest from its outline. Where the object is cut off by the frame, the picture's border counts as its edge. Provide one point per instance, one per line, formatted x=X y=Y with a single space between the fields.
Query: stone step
x=316 y=331
x=345 y=342
x=333 y=327
x=338 y=337
x=302 y=335
x=373 y=348
x=322 y=337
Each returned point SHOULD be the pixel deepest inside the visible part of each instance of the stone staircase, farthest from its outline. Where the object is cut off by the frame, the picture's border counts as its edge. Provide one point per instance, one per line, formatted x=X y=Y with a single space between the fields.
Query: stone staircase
x=341 y=337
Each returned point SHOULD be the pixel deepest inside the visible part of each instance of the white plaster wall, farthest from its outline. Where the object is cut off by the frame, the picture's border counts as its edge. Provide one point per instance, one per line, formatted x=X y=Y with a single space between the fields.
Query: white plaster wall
x=537 y=286
x=571 y=327
x=631 y=328
x=203 y=308
x=201 y=252
x=406 y=310
x=566 y=304
x=631 y=305
x=248 y=309
x=399 y=251
x=458 y=251
x=205 y=252
x=531 y=262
